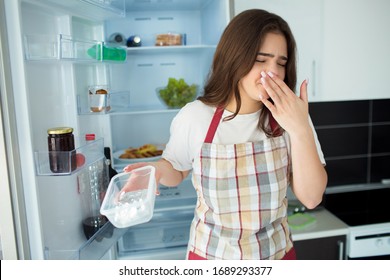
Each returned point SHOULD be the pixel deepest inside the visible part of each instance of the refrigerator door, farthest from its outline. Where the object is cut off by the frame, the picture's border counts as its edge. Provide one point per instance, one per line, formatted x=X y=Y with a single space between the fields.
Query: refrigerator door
x=21 y=237
x=56 y=51
x=8 y=246
x=35 y=98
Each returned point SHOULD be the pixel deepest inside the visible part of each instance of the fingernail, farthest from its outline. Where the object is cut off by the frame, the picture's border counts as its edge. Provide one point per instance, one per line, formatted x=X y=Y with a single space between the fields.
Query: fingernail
x=262 y=80
x=271 y=74
x=263 y=74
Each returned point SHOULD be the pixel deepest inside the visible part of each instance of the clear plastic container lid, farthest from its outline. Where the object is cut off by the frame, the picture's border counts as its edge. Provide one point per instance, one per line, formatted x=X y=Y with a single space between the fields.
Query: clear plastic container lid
x=130 y=197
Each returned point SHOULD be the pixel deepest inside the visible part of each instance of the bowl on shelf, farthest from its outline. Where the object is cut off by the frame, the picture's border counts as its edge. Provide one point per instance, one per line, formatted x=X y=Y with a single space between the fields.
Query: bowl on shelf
x=177 y=93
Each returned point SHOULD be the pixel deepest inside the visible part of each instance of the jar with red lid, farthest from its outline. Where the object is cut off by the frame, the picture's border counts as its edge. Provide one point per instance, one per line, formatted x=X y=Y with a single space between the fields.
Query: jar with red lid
x=62 y=153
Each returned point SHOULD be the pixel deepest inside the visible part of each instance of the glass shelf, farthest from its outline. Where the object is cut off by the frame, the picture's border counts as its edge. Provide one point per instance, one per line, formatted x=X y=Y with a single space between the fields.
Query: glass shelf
x=144 y=110
x=87 y=153
x=116 y=7
x=152 y=5
x=169 y=49
x=95 y=9
x=115 y=101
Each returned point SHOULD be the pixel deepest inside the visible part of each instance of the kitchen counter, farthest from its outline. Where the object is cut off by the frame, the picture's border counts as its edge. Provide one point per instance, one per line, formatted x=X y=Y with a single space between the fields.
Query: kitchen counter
x=325 y=225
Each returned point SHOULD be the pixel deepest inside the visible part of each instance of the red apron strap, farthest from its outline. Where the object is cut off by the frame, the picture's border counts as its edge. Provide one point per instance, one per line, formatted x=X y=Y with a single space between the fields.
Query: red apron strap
x=274 y=125
x=214 y=124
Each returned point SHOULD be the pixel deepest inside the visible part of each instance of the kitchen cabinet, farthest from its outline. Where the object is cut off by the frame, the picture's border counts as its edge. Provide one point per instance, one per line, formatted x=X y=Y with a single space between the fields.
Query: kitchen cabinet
x=326 y=248
x=305 y=18
x=356 y=49
x=342 y=45
x=324 y=239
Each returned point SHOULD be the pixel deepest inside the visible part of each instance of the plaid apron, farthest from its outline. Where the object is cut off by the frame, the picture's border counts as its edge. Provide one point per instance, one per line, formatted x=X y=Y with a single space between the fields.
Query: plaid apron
x=241 y=211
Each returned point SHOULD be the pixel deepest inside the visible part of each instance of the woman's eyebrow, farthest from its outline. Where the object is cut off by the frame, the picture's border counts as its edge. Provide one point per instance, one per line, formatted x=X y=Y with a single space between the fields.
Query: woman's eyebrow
x=271 y=55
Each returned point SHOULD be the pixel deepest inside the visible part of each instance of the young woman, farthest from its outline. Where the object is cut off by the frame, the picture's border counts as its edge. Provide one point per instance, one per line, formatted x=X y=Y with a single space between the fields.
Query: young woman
x=246 y=140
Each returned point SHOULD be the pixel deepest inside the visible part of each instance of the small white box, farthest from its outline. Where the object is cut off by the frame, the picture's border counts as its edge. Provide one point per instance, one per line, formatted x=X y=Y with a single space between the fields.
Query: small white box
x=130 y=197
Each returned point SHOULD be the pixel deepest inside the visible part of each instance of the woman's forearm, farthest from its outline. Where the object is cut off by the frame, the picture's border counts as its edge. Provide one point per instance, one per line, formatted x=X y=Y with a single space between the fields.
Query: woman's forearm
x=167 y=175
x=309 y=175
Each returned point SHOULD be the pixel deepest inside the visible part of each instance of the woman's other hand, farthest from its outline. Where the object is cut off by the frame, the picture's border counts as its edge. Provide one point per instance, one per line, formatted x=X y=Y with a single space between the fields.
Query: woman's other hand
x=131 y=167
x=166 y=174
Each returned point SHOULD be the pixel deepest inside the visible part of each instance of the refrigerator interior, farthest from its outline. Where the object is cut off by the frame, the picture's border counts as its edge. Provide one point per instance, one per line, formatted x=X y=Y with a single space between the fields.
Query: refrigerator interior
x=59 y=69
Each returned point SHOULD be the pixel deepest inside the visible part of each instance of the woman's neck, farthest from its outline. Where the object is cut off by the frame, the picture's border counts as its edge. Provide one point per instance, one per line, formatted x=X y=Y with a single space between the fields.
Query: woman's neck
x=247 y=106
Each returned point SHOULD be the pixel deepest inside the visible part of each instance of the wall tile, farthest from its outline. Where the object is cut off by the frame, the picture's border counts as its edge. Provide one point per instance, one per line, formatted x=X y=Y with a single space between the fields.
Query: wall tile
x=370 y=206
x=381 y=138
x=339 y=112
x=343 y=129
x=343 y=141
x=347 y=171
x=380 y=168
x=337 y=202
x=381 y=110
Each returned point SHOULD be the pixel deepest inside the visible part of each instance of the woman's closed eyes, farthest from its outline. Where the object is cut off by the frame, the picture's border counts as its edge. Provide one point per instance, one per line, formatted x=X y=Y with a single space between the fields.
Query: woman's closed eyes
x=262 y=58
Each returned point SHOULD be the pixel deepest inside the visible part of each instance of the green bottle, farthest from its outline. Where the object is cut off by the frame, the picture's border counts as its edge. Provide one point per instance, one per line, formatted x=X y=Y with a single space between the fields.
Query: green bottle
x=109 y=53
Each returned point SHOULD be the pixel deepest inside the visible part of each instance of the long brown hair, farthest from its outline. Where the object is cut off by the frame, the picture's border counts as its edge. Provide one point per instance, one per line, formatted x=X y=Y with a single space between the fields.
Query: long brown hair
x=236 y=53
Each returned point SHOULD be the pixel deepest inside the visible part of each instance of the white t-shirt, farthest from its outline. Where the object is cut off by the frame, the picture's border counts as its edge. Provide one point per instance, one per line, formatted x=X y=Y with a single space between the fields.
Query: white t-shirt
x=189 y=128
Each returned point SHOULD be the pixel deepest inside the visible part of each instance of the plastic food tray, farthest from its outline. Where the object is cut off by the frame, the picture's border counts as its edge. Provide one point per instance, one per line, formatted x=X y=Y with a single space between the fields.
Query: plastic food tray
x=135 y=206
x=300 y=220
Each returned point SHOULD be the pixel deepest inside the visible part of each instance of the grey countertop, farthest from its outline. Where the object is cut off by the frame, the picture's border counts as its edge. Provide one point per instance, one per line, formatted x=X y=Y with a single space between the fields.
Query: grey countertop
x=325 y=225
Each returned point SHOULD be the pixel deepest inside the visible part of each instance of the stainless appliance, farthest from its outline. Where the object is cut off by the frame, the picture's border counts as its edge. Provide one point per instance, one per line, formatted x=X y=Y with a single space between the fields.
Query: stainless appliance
x=364 y=208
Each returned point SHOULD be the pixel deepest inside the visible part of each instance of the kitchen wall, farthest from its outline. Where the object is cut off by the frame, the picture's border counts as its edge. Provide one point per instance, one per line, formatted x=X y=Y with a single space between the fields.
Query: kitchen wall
x=355 y=139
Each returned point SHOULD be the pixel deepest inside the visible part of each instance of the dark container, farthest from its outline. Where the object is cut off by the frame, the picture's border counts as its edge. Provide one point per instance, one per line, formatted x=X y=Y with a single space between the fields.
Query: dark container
x=134 y=41
x=117 y=39
x=62 y=153
x=91 y=225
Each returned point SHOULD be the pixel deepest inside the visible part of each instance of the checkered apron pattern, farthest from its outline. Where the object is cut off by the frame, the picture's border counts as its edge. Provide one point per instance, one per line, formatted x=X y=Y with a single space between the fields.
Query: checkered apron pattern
x=242 y=206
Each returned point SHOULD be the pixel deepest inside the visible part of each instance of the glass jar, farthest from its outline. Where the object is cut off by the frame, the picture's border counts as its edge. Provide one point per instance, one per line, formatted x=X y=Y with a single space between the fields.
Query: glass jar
x=99 y=98
x=62 y=153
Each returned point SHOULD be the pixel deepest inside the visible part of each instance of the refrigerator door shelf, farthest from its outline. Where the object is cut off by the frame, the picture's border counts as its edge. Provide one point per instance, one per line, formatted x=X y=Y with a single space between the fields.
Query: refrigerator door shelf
x=112 y=102
x=43 y=47
x=87 y=153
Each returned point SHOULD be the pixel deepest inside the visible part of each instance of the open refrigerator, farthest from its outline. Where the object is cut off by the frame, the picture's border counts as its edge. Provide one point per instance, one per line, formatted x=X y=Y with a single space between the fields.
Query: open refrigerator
x=53 y=53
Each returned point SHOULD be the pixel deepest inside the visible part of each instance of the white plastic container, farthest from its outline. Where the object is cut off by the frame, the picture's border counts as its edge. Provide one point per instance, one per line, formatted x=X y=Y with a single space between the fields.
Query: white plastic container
x=130 y=197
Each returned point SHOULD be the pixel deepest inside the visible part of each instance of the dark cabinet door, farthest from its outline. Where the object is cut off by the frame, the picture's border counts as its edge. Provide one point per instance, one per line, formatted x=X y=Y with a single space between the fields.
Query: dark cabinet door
x=327 y=248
